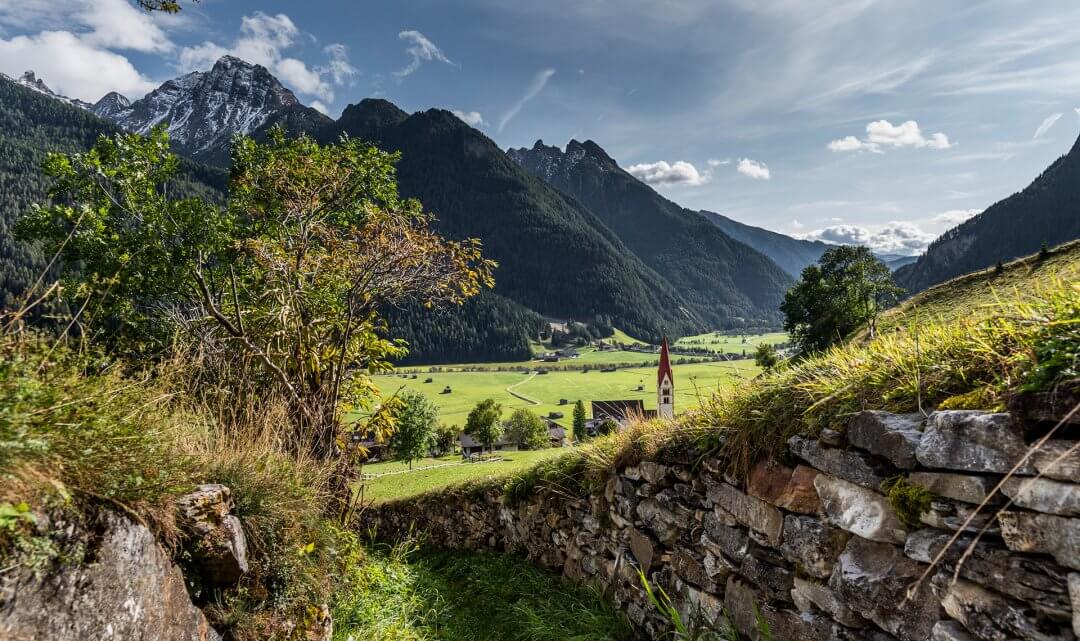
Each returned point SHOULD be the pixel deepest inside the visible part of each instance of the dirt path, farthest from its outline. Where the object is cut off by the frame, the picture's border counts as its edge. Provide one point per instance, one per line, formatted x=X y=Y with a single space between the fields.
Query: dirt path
x=511 y=392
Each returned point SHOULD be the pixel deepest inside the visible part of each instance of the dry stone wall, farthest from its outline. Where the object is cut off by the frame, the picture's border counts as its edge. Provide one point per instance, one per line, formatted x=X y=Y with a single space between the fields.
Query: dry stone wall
x=815 y=545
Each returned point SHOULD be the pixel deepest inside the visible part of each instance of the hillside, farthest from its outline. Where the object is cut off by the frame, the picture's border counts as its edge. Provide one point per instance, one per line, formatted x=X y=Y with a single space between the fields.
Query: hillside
x=33 y=124
x=792 y=254
x=975 y=293
x=1046 y=211
x=725 y=282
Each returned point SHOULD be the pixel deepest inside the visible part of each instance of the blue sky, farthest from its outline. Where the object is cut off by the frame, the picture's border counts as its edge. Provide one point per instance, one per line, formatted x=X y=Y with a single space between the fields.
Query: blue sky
x=882 y=122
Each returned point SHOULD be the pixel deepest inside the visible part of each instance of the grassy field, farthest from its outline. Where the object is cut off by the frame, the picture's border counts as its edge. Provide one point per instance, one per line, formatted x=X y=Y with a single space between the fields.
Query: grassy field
x=541 y=393
x=721 y=343
x=397 y=486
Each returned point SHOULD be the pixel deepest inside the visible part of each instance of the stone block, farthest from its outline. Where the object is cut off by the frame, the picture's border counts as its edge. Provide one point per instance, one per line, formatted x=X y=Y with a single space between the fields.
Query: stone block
x=1031 y=579
x=749 y=511
x=874 y=578
x=811 y=594
x=892 y=436
x=665 y=524
x=215 y=537
x=1044 y=495
x=651 y=472
x=790 y=489
x=993 y=617
x=812 y=545
x=689 y=568
x=774 y=580
x=1058 y=459
x=967 y=488
x=1043 y=533
x=950 y=631
x=1074 y=596
x=859 y=511
x=641 y=546
x=973 y=442
x=851 y=465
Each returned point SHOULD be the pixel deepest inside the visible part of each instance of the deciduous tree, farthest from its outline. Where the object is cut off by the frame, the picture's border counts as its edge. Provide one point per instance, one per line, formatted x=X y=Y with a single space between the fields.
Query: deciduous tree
x=527 y=430
x=483 y=423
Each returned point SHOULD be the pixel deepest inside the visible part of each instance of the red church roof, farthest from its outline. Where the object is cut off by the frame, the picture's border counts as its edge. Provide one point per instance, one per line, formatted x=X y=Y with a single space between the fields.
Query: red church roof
x=665 y=365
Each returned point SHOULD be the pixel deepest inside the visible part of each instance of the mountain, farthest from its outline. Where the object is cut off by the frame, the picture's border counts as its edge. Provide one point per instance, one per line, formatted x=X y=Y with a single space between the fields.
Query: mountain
x=792 y=254
x=30 y=80
x=555 y=257
x=33 y=123
x=1046 y=212
x=723 y=281
x=204 y=109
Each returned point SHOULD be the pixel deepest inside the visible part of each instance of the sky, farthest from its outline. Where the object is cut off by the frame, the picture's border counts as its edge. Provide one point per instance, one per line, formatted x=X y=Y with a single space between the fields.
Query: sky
x=871 y=121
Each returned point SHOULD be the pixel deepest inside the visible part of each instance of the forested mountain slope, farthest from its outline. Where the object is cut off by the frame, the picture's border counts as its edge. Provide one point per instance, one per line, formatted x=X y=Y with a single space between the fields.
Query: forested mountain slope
x=791 y=254
x=1046 y=211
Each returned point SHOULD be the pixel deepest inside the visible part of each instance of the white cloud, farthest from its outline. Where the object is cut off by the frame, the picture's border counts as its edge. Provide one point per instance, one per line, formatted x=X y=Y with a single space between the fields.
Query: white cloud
x=662 y=172
x=421 y=51
x=795 y=224
x=263 y=41
x=71 y=66
x=537 y=85
x=954 y=216
x=753 y=169
x=897 y=237
x=714 y=162
x=317 y=105
x=1047 y=123
x=882 y=133
x=471 y=118
x=117 y=24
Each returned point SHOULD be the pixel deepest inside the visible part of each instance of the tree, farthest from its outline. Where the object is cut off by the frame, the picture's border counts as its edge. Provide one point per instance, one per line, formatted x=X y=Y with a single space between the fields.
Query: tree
x=846 y=289
x=579 y=422
x=414 y=430
x=526 y=430
x=483 y=423
x=281 y=288
x=445 y=437
x=765 y=356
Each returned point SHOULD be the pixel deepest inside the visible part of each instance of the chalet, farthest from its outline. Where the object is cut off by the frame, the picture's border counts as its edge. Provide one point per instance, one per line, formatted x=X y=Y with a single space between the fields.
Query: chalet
x=556 y=434
x=470 y=445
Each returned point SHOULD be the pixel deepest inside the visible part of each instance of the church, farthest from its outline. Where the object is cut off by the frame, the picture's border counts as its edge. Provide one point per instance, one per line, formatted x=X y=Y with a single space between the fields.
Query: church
x=623 y=411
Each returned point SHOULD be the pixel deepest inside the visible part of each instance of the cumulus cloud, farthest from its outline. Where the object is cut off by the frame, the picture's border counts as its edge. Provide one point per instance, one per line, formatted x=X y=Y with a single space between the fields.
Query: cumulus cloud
x=897 y=237
x=76 y=50
x=263 y=40
x=1047 y=123
x=539 y=81
x=882 y=133
x=753 y=169
x=664 y=173
x=421 y=51
x=471 y=118
x=954 y=216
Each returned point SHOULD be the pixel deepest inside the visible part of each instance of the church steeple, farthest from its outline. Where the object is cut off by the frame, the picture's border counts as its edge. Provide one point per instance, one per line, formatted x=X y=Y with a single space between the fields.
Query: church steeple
x=665 y=384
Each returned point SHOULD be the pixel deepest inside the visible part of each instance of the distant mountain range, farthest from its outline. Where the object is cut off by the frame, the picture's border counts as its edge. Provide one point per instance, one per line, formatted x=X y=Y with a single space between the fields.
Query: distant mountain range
x=576 y=236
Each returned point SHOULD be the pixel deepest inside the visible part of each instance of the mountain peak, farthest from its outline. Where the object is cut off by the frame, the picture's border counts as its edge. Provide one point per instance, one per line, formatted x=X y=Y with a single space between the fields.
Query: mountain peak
x=30 y=80
x=371 y=115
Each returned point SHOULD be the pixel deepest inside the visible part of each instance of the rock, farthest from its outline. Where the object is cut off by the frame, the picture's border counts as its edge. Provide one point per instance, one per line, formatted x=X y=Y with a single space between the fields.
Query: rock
x=1050 y=406
x=653 y=473
x=708 y=605
x=859 y=511
x=749 y=511
x=127 y=589
x=966 y=488
x=892 y=436
x=832 y=438
x=1030 y=579
x=991 y=616
x=1058 y=459
x=809 y=593
x=216 y=537
x=950 y=631
x=1043 y=533
x=774 y=580
x=1044 y=495
x=873 y=578
x=661 y=521
x=946 y=514
x=1074 y=596
x=732 y=542
x=717 y=568
x=853 y=466
x=642 y=548
x=688 y=568
x=973 y=442
x=792 y=490
x=768 y=480
x=811 y=545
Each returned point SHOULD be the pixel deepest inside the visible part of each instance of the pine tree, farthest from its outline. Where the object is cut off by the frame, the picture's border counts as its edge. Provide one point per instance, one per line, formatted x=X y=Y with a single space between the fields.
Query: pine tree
x=579 y=421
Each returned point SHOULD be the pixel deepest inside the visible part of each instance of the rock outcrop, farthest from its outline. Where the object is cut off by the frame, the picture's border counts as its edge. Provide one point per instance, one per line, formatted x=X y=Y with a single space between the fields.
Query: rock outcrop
x=818 y=549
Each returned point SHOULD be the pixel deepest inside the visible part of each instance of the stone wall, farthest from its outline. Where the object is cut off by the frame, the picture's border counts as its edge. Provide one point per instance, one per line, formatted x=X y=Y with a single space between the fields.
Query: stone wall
x=816 y=545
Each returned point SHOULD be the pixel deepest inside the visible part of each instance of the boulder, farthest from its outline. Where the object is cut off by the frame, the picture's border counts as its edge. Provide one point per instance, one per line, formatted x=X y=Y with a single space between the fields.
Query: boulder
x=993 y=617
x=1043 y=533
x=811 y=545
x=967 y=488
x=859 y=511
x=850 y=465
x=973 y=441
x=874 y=578
x=128 y=588
x=1044 y=495
x=1031 y=579
x=752 y=512
x=892 y=436
x=215 y=537
x=811 y=594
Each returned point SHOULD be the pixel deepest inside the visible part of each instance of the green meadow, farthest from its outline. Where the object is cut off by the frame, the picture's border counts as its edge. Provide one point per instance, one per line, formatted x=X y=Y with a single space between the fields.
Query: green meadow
x=724 y=344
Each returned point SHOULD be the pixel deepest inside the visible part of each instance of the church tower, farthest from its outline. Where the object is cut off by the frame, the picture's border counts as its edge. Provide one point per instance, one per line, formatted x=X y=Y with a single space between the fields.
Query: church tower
x=665 y=385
